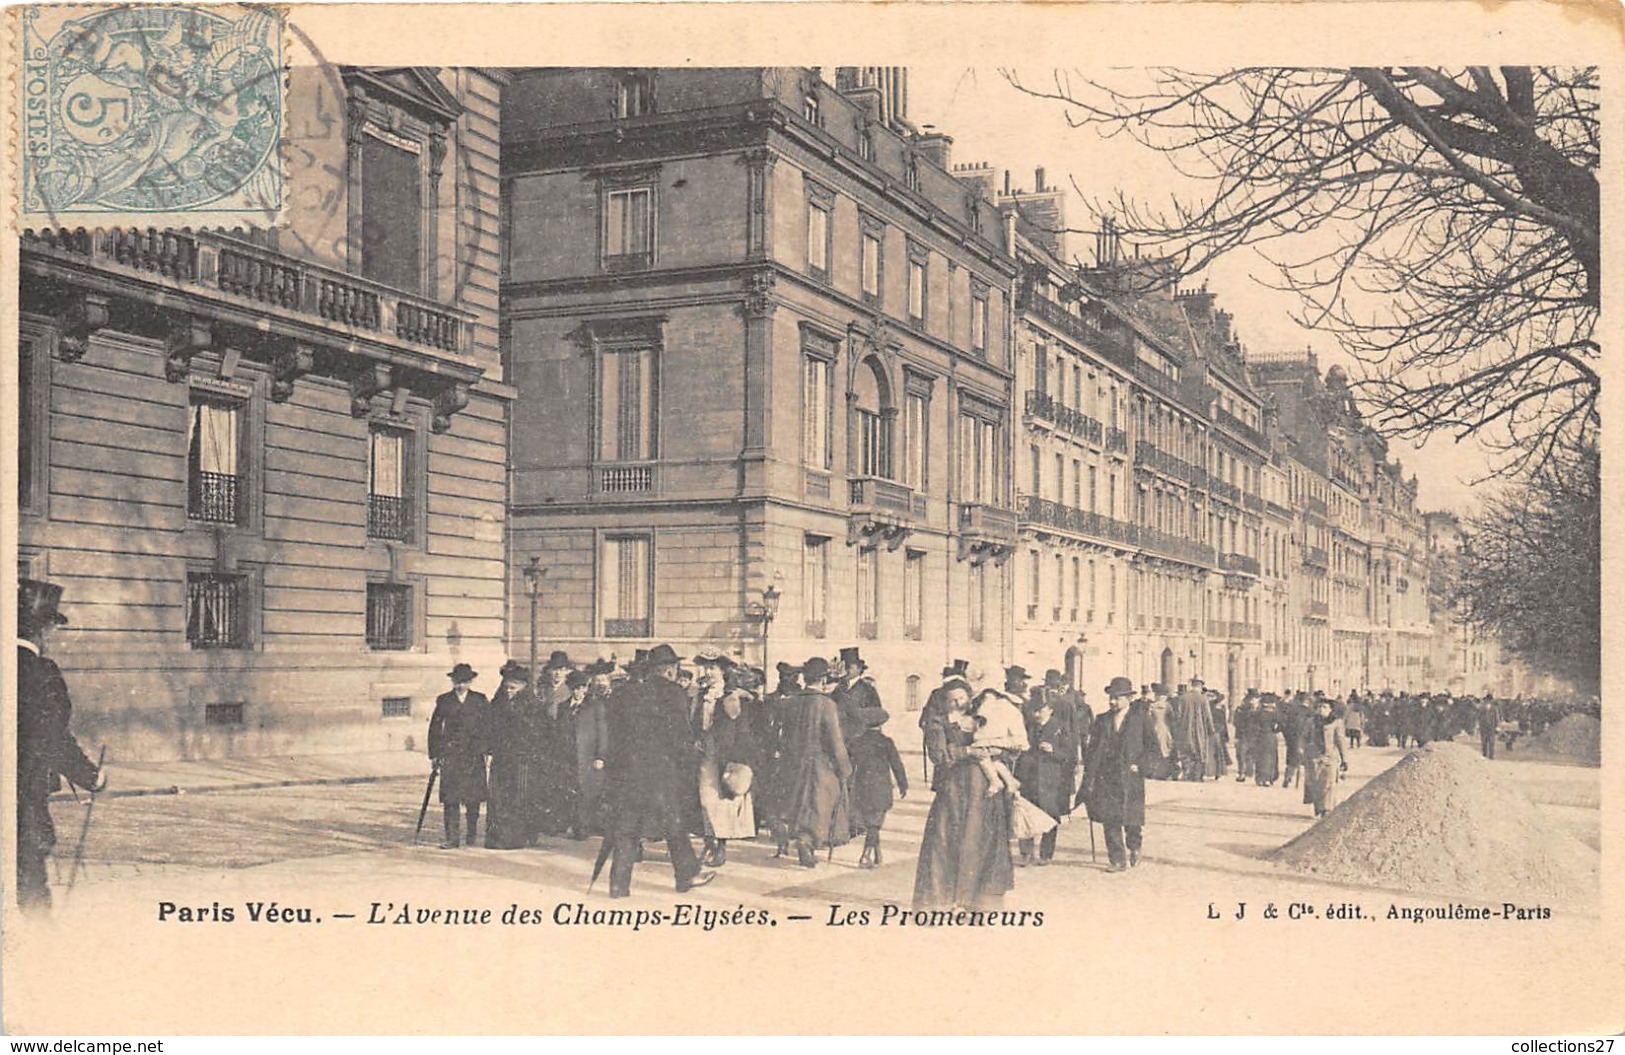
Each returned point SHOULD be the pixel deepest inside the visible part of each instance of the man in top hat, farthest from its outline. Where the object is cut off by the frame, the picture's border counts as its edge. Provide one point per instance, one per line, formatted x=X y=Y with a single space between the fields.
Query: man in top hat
x=516 y=727
x=818 y=769
x=458 y=744
x=1120 y=745
x=855 y=695
x=651 y=772
x=46 y=749
x=553 y=692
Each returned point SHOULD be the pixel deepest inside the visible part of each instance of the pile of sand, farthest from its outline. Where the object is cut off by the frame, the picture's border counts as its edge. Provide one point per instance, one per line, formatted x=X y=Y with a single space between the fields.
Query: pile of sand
x=1577 y=736
x=1444 y=820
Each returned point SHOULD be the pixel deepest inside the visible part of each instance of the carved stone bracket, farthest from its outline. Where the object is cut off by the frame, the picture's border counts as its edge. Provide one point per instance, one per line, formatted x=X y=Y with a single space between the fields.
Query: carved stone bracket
x=981 y=550
x=291 y=364
x=451 y=399
x=759 y=295
x=86 y=314
x=189 y=335
x=868 y=531
x=374 y=379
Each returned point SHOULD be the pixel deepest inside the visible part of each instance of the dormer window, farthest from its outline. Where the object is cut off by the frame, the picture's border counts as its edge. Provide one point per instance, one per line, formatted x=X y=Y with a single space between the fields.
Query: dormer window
x=811 y=110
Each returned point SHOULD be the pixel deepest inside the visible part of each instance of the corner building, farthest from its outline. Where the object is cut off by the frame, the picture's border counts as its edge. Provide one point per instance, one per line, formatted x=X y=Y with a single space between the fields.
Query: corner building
x=760 y=335
x=267 y=467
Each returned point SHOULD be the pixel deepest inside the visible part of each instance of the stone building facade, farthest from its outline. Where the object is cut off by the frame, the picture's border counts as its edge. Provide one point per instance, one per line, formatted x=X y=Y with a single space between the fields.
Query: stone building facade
x=761 y=340
x=268 y=467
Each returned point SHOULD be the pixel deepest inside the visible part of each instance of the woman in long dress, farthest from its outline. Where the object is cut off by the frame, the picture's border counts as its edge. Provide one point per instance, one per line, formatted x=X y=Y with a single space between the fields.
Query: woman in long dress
x=965 y=859
x=1324 y=758
x=728 y=762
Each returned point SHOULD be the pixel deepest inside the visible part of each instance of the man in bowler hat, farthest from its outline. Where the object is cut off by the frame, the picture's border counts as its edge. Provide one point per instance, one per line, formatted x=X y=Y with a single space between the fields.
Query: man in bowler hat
x=46 y=749
x=652 y=771
x=458 y=744
x=1120 y=746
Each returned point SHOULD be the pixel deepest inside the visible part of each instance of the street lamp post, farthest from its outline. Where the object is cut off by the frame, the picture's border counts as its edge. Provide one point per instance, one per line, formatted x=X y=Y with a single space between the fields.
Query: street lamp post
x=765 y=610
x=533 y=583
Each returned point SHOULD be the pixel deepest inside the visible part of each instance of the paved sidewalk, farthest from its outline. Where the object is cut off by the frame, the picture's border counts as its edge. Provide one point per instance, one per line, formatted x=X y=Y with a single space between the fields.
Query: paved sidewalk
x=125 y=779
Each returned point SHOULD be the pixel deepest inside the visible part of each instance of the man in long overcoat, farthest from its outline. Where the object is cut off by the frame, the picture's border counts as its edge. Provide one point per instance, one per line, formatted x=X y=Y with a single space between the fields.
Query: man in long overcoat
x=592 y=751
x=458 y=743
x=1045 y=771
x=1120 y=745
x=818 y=769
x=46 y=749
x=652 y=768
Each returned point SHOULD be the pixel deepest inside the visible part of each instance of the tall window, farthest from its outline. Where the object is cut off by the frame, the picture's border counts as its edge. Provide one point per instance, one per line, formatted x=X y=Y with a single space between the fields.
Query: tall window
x=913 y=593
x=215 y=484
x=629 y=232
x=1077 y=483
x=1060 y=478
x=868 y=593
x=816 y=451
x=978 y=322
x=1035 y=583
x=388 y=511
x=916 y=286
x=1041 y=369
x=216 y=610
x=1094 y=489
x=977 y=602
x=1094 y=595
x=31 y=424
x=626 y=586
x=626 y=404
x=1037 y=470
x=874 y=444
x=814 y=584
x=869 y=265
x=1111 y=594
x=917 y=439
x=818 y=235
x=875 y=414
x=978 y=459
x=634 y=95
x=389 y=616
x=1060 y=586
x=392 y=214
x=1077 y=585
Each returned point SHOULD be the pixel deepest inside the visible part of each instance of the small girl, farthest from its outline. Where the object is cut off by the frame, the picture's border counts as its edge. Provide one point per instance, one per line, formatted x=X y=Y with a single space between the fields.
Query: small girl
x=1000 y=735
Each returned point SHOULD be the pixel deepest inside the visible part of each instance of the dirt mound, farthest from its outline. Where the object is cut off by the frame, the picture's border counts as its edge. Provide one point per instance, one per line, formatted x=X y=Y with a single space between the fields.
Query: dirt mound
x=1445 y=820
x=1576 y=736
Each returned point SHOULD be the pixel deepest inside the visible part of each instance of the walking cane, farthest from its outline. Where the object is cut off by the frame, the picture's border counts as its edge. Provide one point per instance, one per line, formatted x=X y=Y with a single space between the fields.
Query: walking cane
x=423 y=811
x=84 y=829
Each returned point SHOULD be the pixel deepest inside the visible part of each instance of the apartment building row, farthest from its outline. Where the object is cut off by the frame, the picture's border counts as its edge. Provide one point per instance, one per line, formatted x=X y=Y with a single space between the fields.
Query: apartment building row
x=722 y=357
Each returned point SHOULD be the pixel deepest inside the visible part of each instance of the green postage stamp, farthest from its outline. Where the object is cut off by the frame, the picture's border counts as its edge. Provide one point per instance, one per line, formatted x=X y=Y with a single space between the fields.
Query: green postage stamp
x=148 y=115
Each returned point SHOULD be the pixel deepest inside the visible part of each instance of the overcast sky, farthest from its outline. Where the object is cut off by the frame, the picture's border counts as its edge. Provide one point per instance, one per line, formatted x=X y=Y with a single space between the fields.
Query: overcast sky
x=992 y=122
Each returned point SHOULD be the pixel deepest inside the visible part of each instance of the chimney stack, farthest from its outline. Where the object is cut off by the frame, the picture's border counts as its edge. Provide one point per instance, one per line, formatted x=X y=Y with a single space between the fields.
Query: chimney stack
x=1038 y=180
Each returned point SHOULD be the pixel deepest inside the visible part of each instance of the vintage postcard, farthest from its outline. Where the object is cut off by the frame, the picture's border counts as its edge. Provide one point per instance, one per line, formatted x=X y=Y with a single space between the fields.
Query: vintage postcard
x=1069 y=518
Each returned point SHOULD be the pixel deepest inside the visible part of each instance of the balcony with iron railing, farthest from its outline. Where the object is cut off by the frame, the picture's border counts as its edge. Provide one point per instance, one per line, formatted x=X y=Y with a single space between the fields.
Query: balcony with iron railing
x=214 y=498
x=987 y=521
x=1236 y=427
x=1045 y=407
x=1238 y=562
x=388 y=517
x=1029 y=300
x=1223 y=489
x=1315 y=557
x=1153 y=457
x=1116 y=441
x=1315 y=507
x=1036 y=510
x=1316 y=610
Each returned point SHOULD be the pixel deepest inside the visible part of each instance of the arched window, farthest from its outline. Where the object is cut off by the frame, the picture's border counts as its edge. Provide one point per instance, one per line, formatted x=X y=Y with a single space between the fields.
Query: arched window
x=873 y=414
